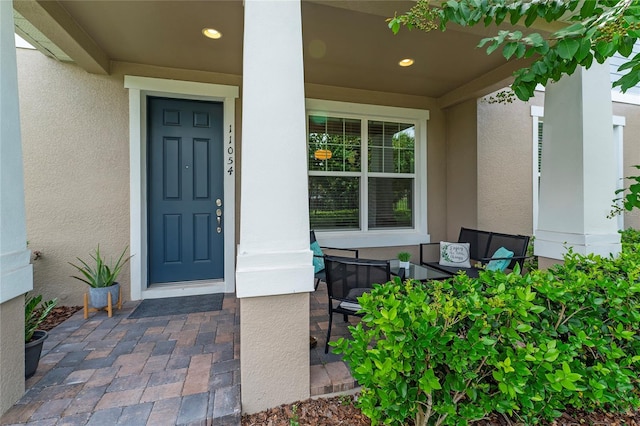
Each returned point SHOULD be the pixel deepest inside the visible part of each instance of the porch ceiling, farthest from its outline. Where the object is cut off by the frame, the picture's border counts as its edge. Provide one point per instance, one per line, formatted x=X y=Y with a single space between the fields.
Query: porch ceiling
x=346 y=43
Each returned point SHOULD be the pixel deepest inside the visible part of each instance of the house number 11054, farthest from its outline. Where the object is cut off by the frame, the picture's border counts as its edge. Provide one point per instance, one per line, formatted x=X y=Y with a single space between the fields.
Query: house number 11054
x=230 y=152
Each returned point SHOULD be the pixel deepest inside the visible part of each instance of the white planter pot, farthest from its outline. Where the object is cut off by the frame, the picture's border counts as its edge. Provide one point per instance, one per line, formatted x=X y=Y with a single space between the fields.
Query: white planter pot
x=404 y=265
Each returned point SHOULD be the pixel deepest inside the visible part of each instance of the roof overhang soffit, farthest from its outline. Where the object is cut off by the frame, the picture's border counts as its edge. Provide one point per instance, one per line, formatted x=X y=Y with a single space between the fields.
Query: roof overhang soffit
x=55 y=23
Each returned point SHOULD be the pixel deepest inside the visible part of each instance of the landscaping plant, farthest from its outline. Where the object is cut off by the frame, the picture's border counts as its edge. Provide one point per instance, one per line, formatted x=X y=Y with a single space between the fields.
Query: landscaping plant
x=629 y=239
x=628 y=198
x=450 y=352
x=99 y=273
x=34 y=314
x=404 y=256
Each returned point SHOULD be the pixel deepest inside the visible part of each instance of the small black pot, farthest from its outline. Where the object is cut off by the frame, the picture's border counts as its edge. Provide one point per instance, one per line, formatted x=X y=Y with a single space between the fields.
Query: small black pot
x=32 y=351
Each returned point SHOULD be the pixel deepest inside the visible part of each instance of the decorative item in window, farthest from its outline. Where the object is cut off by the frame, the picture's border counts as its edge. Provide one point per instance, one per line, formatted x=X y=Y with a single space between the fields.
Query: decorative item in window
x=322 y=154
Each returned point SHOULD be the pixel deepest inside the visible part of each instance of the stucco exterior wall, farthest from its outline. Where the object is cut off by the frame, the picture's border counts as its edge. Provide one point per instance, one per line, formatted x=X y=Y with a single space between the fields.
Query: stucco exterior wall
x=505 y=166
x=505 y=163
x=461 y=168
x=11 y=352
x=76 y=155
x=75 y=141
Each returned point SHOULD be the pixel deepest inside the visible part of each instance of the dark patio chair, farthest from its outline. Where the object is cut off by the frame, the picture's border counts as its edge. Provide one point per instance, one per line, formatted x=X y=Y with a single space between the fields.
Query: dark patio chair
x=319 y=257
x=349 y=278
x=483 y=246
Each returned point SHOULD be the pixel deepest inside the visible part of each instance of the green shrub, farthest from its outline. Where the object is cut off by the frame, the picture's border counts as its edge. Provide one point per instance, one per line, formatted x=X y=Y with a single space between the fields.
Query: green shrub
x=452 y=351
x=630 y=235
x=628 y=198
x=531 y=262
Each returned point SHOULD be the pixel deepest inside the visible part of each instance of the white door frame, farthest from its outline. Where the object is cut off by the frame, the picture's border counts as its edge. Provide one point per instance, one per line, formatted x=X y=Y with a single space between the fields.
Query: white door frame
x=139 y=89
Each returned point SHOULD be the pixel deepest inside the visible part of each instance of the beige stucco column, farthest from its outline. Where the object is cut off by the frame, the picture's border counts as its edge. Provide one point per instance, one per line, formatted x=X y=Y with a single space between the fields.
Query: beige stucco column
x=274 y=272
x=16 y=275
x=578 y=176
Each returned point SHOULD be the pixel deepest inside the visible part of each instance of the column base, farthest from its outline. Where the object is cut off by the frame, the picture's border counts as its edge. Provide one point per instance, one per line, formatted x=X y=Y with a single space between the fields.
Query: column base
x=11 y=352
x=274 y=342
x=554 y=245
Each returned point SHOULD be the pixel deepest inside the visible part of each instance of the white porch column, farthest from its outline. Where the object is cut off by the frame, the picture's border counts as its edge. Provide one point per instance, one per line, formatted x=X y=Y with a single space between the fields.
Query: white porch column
x=578 y=177
x=274 y=267
x=16 y=276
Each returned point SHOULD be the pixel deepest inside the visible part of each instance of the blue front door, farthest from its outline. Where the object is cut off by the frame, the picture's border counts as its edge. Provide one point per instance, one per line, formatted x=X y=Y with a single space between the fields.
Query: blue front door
x=185 y=201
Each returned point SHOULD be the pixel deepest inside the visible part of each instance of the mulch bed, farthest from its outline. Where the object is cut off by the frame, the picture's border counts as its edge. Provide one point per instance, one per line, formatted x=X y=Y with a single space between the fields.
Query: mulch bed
x=337 y=410
x=340 y=410
x=58 y=315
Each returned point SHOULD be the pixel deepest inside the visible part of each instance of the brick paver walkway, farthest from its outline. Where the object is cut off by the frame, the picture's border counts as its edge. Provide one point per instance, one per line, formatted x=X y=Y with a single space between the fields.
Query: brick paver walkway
x=170 y=370
x=329 y=374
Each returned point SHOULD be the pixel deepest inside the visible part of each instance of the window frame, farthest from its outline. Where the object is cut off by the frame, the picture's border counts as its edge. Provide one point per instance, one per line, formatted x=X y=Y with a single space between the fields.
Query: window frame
x=378 y=237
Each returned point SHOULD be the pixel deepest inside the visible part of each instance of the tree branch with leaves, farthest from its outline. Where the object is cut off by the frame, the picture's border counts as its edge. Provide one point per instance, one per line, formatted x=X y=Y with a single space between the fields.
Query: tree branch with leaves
x=595 y=30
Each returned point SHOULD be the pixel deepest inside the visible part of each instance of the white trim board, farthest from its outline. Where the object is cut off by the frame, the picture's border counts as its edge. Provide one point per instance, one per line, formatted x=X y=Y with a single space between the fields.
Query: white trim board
x=139 y=89
x=616 y=96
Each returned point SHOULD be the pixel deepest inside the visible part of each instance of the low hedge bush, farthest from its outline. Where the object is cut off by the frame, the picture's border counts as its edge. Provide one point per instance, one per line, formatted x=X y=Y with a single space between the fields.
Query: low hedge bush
x=449 y=352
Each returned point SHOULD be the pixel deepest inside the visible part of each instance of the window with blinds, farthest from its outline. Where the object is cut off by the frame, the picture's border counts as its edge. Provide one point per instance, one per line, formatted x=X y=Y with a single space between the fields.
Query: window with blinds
x=540 y=127
x=349 y=192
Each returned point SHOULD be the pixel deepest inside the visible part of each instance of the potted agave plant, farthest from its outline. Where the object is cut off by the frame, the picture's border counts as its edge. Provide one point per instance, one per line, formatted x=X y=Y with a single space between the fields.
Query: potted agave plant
x=101 y=277
x=34 y=315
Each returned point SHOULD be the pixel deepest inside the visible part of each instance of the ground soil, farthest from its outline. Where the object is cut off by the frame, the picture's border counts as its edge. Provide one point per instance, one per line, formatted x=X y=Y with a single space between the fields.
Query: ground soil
x=58 y=315
x=317 y=412
x=340 y=410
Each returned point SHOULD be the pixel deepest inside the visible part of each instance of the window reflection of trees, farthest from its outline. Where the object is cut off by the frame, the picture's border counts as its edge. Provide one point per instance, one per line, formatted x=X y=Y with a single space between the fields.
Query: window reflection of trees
x=335 y=200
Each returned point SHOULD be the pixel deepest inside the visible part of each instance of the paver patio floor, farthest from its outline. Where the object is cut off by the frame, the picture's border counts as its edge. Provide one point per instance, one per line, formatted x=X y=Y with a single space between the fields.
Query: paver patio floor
x=168 y=370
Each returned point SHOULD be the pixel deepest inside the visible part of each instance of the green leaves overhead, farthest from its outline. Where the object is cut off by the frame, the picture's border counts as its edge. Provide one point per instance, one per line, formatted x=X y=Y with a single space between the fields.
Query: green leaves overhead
x=628 y=198
x=567 y=48
x=595 y=29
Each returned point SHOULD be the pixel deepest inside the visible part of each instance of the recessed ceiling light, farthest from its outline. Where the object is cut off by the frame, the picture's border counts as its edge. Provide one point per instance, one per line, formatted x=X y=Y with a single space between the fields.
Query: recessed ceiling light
x=211 y=33
x=406 y=62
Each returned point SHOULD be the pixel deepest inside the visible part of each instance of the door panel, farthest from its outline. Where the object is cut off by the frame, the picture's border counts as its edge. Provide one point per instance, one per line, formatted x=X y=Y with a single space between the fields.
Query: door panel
x=185 y=180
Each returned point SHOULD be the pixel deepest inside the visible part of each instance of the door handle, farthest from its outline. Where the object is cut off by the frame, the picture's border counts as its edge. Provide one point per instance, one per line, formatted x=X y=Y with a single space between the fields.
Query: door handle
x=219 y=219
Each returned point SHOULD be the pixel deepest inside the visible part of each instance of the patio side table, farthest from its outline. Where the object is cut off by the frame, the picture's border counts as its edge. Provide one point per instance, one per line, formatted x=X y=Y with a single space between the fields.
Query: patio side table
x=418 y=272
